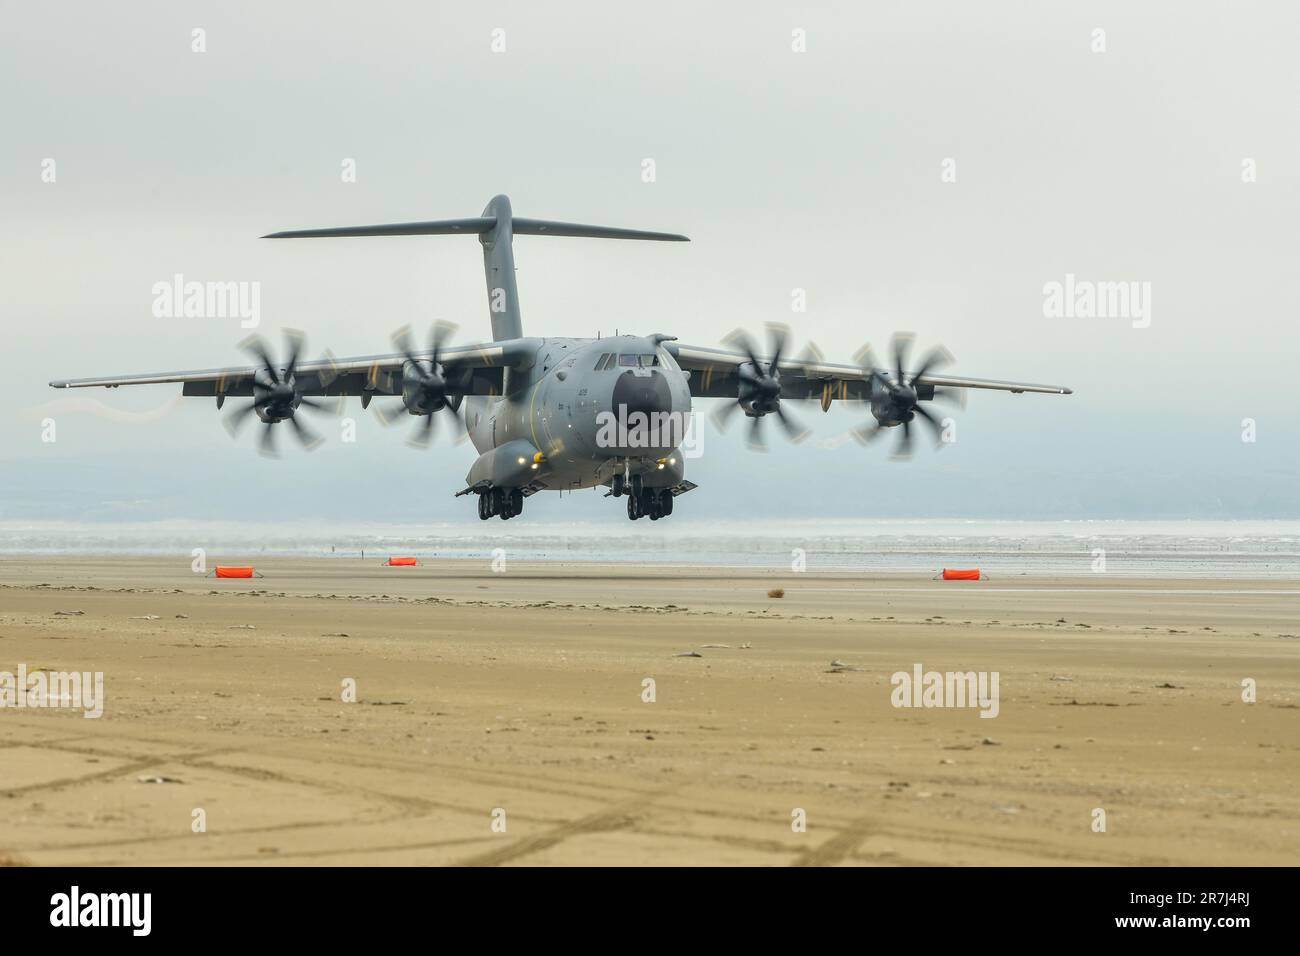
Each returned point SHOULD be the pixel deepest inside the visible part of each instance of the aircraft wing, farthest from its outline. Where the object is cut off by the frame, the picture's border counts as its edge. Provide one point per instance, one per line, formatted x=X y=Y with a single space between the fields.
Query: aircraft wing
x=715 y=373
x=480 y=367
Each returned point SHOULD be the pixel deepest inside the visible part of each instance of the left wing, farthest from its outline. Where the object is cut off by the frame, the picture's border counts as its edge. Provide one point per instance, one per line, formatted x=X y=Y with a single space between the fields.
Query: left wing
x=717 y=373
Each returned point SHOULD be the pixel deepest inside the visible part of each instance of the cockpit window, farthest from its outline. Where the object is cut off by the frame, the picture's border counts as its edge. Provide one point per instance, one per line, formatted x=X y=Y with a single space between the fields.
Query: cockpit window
x=635 y=361
x=603 y=361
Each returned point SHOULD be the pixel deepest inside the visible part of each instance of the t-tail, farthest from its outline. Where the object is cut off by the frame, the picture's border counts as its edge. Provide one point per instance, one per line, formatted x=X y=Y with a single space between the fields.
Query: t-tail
x=496 y=230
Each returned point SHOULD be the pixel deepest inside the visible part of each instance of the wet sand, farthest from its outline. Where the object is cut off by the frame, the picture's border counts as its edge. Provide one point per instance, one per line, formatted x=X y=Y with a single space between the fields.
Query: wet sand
x=518 y=696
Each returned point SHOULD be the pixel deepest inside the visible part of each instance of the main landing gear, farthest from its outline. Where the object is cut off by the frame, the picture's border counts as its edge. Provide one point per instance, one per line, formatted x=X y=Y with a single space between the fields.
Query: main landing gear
x=501 y=502
x=655 y=502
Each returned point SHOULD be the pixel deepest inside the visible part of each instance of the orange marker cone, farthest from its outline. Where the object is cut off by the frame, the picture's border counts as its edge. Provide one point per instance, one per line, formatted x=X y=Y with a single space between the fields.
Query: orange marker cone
x=231 y=571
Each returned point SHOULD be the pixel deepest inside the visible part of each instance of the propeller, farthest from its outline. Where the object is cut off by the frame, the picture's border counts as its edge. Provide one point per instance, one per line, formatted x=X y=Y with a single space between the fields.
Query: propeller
x=424 y=387
x=276 y=394
x=895 y=397
x=759 y=394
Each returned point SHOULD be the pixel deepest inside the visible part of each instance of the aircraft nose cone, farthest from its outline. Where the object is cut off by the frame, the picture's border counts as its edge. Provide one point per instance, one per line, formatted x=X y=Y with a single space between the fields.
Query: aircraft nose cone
x=648 y=394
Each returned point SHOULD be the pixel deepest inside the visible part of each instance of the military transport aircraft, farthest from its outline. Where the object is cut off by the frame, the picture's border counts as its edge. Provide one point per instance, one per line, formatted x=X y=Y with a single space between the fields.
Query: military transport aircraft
x=568 y=413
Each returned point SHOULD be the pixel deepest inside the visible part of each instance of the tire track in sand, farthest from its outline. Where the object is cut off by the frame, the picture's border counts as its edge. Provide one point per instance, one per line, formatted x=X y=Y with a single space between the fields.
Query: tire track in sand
x=620 y=816
x=838 y=847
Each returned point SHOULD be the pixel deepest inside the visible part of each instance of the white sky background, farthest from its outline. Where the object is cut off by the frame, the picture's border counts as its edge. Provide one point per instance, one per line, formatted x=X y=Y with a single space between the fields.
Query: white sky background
x=818 y=170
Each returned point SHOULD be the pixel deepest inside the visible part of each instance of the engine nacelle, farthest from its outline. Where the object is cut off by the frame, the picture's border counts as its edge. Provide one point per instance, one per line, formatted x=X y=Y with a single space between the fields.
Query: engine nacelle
x=759 y=392
x=274 y=401
x=424 y=390
x=892 y=404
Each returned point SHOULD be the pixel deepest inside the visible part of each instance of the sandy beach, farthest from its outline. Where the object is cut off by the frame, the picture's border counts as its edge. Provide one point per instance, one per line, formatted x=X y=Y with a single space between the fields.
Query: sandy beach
x=515 y=701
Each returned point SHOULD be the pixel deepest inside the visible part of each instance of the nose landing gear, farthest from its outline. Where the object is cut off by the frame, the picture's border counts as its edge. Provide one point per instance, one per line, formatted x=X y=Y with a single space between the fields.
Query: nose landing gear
x=619 y=485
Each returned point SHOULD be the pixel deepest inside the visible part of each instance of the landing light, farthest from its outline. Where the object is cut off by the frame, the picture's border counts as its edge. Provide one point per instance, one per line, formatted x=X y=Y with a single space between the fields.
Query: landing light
x=522 y=460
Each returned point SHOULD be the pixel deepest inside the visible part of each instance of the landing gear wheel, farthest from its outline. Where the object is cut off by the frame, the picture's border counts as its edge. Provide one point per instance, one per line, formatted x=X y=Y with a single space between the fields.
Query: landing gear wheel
x=665 y=502
x=484 y=507
x=633 y=507
x=616 y=486
x=512 y=502
x=497 y=501
x=638 y=484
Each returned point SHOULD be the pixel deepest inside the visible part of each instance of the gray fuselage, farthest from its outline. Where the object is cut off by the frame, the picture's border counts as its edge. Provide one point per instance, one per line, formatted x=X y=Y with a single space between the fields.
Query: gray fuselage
x=586 y=410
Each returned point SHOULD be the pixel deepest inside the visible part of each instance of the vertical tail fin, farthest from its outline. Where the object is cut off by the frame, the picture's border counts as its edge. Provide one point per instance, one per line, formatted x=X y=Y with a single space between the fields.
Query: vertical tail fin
x=499 y=269
x=496 y=230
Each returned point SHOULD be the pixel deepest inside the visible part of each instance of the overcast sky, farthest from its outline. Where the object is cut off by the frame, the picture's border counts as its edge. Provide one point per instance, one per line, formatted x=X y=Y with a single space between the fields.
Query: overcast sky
x=821 y=170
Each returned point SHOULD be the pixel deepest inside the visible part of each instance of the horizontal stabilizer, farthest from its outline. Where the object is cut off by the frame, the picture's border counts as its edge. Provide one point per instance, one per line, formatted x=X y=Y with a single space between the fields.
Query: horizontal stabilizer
x=478 y=226
x=547 y=227
x=444 y=227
